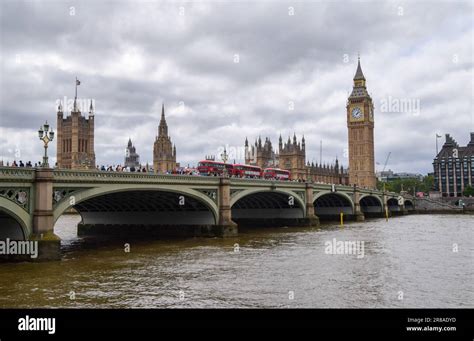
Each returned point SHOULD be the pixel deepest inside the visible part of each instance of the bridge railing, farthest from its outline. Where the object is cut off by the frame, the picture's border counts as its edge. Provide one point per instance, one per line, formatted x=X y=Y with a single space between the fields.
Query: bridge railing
x=67 y=175
x=16 y=174
x=266 y=182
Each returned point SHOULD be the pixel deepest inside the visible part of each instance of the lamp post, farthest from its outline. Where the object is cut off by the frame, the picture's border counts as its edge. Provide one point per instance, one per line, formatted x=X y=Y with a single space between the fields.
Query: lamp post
x=224 y=157
x=46 y=136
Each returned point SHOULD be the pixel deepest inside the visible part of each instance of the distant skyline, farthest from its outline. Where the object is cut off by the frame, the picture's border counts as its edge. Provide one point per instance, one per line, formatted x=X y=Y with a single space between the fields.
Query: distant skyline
x=227 y=71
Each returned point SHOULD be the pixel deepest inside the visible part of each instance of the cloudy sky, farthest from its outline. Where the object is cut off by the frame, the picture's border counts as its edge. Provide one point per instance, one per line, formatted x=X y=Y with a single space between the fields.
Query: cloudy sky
x=227 y=70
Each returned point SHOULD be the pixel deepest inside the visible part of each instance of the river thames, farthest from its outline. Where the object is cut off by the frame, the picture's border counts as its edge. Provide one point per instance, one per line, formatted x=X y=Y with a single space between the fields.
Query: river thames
x=413 y=261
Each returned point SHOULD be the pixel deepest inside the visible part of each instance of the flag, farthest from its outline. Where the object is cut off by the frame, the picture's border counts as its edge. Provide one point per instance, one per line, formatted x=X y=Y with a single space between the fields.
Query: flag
x=78 y=82
x=438 y=136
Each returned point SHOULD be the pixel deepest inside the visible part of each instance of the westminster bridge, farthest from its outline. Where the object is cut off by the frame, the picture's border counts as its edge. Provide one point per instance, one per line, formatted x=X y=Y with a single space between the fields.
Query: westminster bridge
x=32 y=200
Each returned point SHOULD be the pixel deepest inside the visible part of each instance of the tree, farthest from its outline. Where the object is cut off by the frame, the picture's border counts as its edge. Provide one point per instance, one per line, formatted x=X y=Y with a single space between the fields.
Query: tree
x=409 y=185
x=468 y=191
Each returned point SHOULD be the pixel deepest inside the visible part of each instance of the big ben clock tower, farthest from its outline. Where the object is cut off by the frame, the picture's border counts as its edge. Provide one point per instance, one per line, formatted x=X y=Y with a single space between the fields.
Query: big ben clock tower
x=360 y=126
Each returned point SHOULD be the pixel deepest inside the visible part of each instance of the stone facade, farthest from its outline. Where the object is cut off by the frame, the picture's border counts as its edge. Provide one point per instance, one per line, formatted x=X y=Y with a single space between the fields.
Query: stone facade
x=327 y=173
x=259 y=154
x=75 y=139
x=291 y=156
x=164 y=153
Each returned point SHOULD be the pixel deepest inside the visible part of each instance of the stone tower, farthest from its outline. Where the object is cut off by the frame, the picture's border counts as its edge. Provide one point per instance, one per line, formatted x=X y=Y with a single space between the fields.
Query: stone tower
x=360 y=126
x=292 y=157
x=164 y=153
x=132 y=159
x=75 y=141
x=260 y=154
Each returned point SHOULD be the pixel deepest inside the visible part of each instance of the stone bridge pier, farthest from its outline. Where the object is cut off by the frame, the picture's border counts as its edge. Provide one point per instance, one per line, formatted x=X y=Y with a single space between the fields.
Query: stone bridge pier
x=226 y=226
x=43 y=217
x=358 y=215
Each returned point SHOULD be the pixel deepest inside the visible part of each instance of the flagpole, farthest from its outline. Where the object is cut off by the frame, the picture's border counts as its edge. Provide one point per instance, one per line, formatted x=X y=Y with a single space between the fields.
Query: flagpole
x=320 y=152
x=75 y=97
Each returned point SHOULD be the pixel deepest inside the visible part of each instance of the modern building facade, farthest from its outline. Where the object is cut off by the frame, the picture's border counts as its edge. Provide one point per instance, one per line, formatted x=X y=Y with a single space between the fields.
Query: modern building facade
x=75 y=139
x=360 y=126
x=454 y=167
x=132 y=159
x=164 y=153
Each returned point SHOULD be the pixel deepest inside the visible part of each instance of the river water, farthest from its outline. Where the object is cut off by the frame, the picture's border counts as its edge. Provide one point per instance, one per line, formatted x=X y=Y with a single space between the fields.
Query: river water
x=409 y=261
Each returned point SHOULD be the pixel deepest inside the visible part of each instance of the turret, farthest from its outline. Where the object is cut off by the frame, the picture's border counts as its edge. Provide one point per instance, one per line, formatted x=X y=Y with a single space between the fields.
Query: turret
x=91 y=110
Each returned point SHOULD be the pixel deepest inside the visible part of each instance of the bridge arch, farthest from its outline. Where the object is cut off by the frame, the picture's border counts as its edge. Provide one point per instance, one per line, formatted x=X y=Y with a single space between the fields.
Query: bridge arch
x=15 y=222
x=371 y=204
x=332 y=203
x=409 y=206
x=140 y=198
x=248 y=192
x=266 y=206
x=392 y=204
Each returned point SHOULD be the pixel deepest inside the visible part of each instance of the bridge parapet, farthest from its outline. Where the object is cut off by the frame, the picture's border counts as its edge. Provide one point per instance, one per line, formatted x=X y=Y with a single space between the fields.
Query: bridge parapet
x=9 y=174
x=237 y=182
x=123 y=177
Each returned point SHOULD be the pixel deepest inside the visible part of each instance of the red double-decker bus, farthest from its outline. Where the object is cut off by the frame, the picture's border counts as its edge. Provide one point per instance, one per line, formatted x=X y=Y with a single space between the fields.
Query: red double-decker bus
x=276 y=173
x=246 y=171
x=209 y=167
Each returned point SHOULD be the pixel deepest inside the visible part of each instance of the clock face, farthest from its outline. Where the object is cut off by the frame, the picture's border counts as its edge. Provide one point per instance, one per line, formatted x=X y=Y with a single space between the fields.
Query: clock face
x=356 y=113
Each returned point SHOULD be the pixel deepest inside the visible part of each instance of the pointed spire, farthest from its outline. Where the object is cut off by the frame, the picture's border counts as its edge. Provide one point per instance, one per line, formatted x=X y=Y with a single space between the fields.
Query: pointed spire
x=359 y=75
x=246 y=142
x=60 y=107
x=163 y=128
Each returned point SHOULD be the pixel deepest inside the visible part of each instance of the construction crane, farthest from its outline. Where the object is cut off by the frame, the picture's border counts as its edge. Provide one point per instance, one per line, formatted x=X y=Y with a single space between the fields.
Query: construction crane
x=386 y=161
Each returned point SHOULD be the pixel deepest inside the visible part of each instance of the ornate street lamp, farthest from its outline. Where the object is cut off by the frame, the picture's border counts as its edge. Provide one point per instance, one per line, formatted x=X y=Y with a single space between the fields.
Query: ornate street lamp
x=224 y=157
x=46 y=136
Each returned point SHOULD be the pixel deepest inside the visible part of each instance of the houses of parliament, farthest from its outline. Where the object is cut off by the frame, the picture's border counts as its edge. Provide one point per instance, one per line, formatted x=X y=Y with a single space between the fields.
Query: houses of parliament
x=75 y=145
x=291 y=155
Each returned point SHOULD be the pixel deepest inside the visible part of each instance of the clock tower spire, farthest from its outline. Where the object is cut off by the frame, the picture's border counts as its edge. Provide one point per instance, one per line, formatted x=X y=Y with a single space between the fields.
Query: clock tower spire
x=360 y=126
